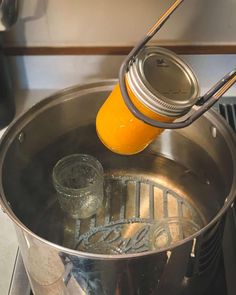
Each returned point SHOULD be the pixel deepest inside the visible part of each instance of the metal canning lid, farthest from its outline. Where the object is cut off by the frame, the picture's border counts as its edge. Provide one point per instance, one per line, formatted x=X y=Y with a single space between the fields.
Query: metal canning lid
x=163 y=82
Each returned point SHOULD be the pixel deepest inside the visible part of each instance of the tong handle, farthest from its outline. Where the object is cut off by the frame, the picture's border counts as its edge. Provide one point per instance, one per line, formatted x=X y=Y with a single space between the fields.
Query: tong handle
x=208 y=100
x=204 y=103
x=218 y=87
x=152 y=31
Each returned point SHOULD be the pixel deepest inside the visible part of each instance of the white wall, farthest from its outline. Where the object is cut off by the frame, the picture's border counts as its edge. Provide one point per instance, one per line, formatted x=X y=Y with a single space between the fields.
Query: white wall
x=110 y=23
x=122 y=22
x=57 y=72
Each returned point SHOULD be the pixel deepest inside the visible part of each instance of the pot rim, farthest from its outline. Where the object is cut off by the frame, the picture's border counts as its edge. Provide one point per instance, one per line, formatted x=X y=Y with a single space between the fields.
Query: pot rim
x=66 y=94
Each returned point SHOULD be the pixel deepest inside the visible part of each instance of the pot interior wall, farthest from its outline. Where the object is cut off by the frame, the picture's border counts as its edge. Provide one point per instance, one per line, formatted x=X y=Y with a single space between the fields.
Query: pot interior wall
x=191 y=163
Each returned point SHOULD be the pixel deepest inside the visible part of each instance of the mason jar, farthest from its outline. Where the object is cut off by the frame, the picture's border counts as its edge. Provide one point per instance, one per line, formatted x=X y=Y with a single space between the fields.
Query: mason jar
x=78 y=180
x=161 y=86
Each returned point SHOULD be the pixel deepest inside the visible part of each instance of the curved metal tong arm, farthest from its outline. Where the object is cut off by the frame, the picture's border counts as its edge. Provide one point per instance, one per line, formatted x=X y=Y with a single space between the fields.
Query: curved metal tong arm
x=205 y=102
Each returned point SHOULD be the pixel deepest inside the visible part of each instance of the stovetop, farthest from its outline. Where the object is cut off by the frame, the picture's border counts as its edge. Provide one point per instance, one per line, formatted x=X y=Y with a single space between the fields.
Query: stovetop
x=224 y=282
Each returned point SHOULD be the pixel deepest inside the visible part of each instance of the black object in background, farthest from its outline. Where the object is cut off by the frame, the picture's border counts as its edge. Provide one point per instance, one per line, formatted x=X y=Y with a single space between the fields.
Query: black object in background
x=8 y=17
x=7 y=105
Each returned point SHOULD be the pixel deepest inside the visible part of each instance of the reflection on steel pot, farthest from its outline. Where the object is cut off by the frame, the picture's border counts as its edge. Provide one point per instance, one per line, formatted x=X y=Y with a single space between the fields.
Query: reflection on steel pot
x=182 y=184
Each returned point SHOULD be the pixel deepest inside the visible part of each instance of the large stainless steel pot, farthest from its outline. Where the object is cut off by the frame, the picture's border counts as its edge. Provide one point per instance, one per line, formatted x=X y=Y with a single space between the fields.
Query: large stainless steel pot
x=197 y=163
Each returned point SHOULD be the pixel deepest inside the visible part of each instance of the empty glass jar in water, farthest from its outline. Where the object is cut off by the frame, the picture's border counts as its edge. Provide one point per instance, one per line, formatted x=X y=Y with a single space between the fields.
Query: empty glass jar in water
x=78 y=180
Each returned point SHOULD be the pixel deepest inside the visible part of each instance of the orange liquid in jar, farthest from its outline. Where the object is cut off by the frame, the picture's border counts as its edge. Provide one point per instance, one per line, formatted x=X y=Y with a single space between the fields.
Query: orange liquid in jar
x=119 y=130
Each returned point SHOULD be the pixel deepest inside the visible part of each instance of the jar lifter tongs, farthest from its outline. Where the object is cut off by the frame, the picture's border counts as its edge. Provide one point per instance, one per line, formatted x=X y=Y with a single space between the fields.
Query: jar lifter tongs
x=204 y=102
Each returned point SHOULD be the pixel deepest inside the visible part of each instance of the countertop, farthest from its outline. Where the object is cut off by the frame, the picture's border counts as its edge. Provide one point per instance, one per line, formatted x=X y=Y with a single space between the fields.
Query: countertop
x=8 y=241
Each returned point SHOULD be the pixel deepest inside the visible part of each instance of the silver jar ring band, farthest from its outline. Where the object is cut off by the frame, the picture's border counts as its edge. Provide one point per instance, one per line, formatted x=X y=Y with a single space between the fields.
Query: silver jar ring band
x=205 y=102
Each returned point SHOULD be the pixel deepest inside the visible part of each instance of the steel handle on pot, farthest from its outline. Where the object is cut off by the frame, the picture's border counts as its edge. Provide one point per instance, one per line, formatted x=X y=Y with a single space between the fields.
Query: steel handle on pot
x=204 y=103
